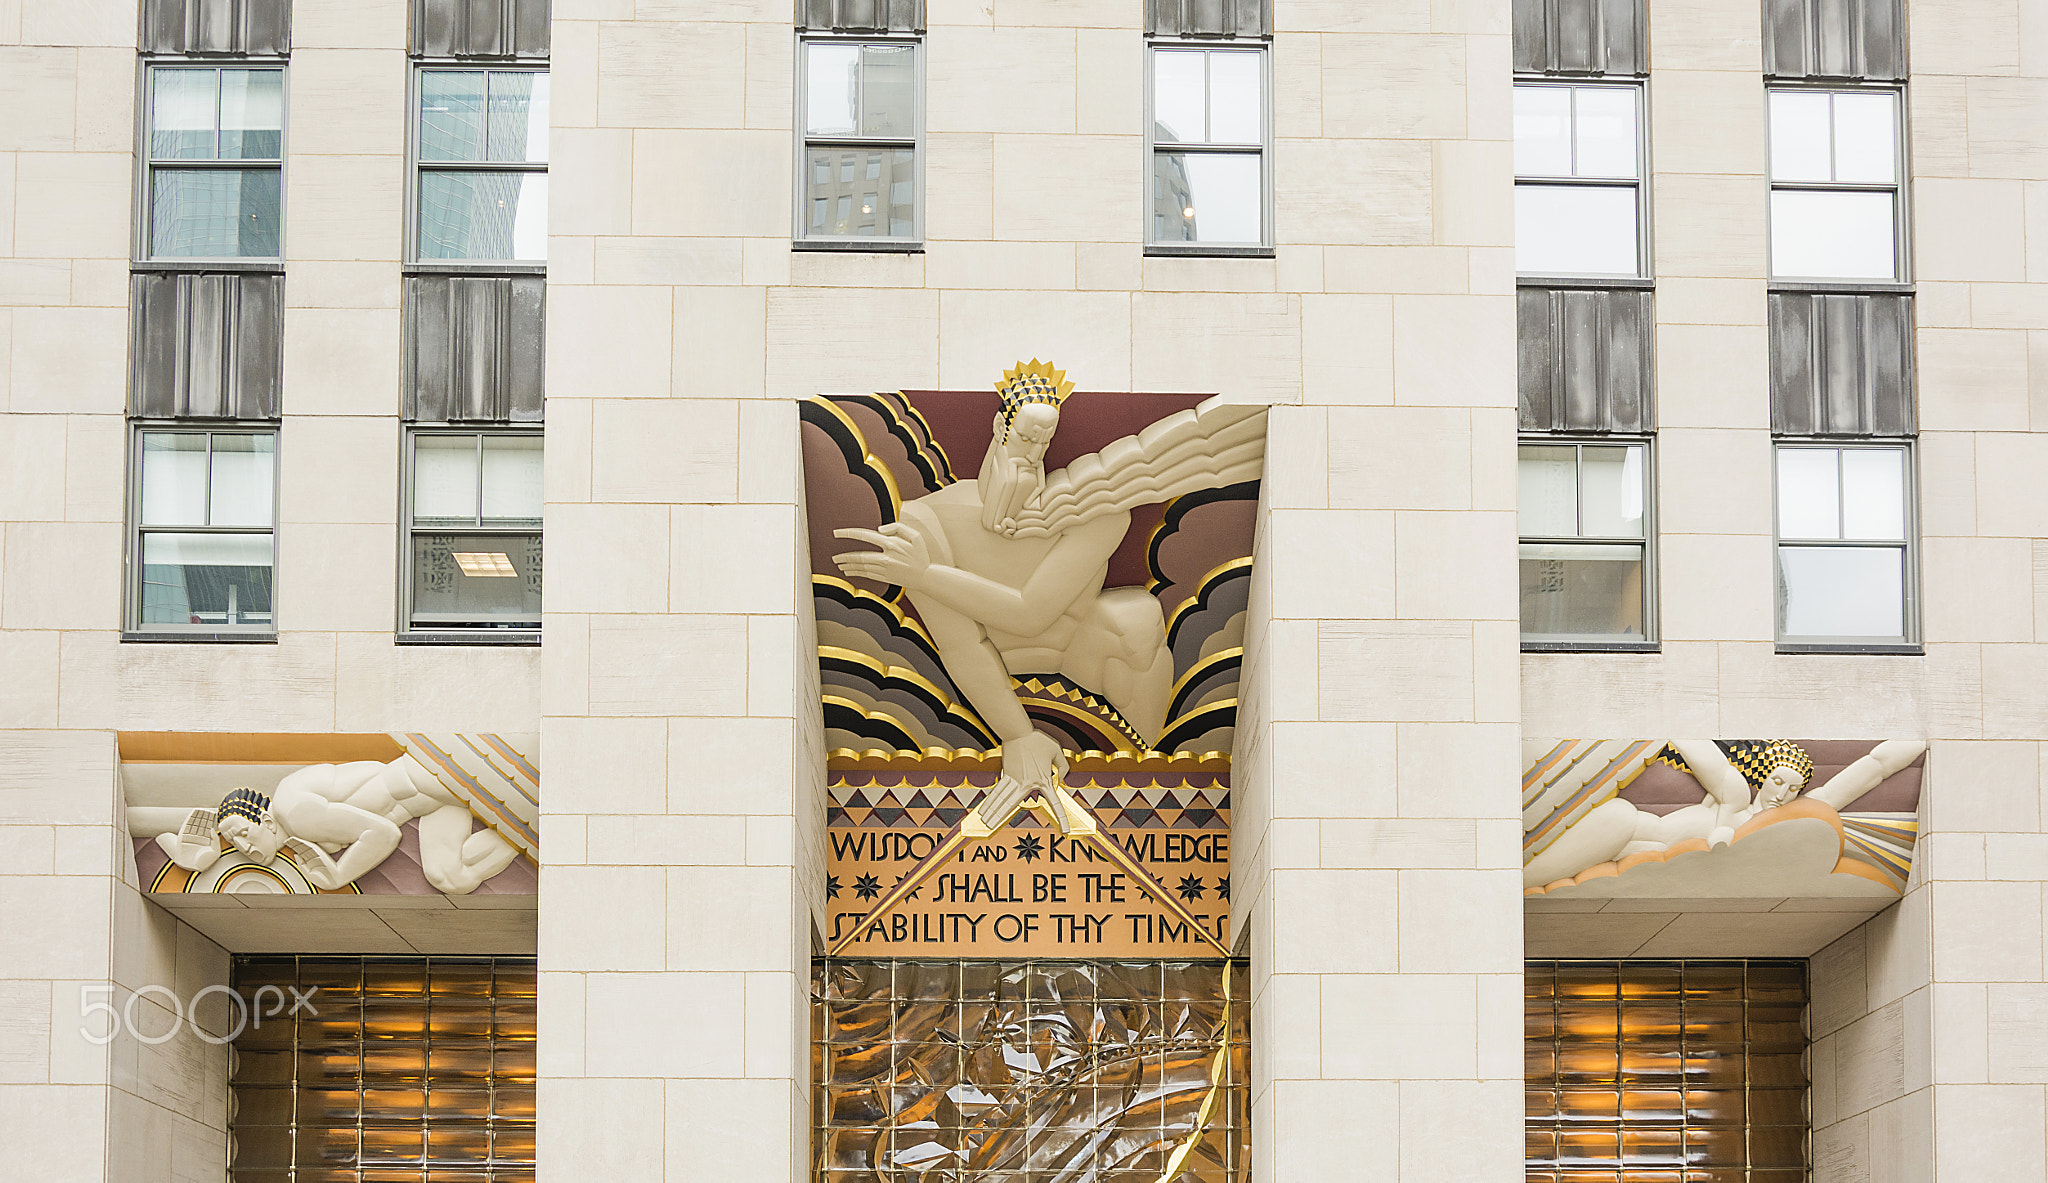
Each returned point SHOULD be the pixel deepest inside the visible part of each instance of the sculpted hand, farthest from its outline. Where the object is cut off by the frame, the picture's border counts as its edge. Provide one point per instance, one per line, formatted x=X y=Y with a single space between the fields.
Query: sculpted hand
x=315 y=863
x=196 y=845
x=902 y=560
x=1721 y=836
x=1031 y=765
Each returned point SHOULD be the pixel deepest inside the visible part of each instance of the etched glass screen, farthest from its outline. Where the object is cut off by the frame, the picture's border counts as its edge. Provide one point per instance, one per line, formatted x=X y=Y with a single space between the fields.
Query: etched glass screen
x=383 y=1070
x=1031 y=1072
x=1666 y=1071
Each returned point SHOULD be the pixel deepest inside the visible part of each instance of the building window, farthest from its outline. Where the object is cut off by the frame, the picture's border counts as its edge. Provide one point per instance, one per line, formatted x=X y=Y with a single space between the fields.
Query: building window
x=1578 y=180
x=1665 y=1070
x=1585 y=563
x=481 y=155
x=1835 y=193
x=213 y=177
x=384 y=1068
x=1030 y=1071
x=203 y=551
x=1845 y=551
x=473 y=559
x=1208 y=135
x=860 y=177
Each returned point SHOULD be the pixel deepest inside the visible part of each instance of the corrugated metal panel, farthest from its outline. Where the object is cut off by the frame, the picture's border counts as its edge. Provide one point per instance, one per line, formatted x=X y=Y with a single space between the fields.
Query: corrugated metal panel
x=480 y=28
x=1841 y=364
x=475 y=348
x=1209 y=18
x=260 y=27
x=860 y=16
x=1581 y=37
x=207 y=345
x=1585 y=362
x=1835 y=39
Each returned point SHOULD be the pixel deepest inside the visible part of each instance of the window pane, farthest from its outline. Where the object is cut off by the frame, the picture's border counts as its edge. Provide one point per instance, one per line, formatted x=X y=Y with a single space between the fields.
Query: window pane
x=214 y=213
x=1866 y=138
x=1873 y=493
x=483 y=215
x=1547 y=483
x=512 y=490
x=243 y=485
x=444 y=479
x=1799 y=136
x=1236 y=99
x=473 y=579
x=519 y=116
x=206 y=579
x=1543 y=131
x=1588 y=592
x=251 y=114
x=1207 y=197
x=452 y=115
x=880 y=178
x=182 y=114
x=1575 y=230
x=1809 y=500
x=1844 y=591
x=1606 y=131
x=1831 y=235
x=1178 y=97
x=888 y=91
x=831 y=88
x=173 y=479
x=1611 y=485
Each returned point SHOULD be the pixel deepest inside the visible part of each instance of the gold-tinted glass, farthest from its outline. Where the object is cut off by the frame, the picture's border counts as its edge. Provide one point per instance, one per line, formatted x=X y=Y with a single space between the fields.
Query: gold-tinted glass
x=1030 y=1072
x=384 y=1070
x=1666 y=1071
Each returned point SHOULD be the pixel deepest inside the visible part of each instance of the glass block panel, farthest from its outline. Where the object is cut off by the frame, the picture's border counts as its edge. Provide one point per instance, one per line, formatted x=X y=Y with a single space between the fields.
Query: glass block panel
x=1689 y=1107
x=423 y=1099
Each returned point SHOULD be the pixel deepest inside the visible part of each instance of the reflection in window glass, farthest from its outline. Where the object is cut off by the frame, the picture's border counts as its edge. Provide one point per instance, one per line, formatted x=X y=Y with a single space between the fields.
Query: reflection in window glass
x=199 y=115
x=1208 y=99
x=204 y=516
x=864 y=92
x=1207 y=197
x=476 y=541
x=251 y=114
x=483 y=215
x=834 y=208
x=487 y=131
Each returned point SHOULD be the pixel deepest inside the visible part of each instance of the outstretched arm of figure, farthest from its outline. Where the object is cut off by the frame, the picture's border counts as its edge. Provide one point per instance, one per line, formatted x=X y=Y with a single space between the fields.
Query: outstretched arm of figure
x=1726 y=790
x=366 y=839
x=196 y=845
x=1844 y=787
x=1058 y=580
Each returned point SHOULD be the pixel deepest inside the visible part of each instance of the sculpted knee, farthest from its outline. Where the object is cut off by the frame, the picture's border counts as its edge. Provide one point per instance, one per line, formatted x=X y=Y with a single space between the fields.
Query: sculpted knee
x=1134 y=616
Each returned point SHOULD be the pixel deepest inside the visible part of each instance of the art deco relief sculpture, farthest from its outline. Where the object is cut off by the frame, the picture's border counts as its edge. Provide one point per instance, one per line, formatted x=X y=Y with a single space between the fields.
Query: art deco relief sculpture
x=337 y=822
x=1007 y=570
x=1581 y=825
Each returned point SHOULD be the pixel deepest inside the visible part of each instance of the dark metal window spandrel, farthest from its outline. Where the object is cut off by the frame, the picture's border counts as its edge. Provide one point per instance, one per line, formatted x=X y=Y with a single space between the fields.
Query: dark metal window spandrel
x=481 y=28
x=1841 y=365
x=1585 y=361
x=1863 y=39
x=260 y=28
x=1581 y=37
x=206 y=345
x=1209 y=18
x=475 y=348
x=860 y=16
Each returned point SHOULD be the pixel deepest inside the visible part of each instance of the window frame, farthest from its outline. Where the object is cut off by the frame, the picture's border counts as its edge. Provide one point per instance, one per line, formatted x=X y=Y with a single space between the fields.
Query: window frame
x=1900 y=189
x=410 y=633
x=1265 y=247
x=1645 y=271
x=141 y=255
x=1909 y=590
x=416 y=168
x=800 y=239
x=1560 y=643
x=134 y=531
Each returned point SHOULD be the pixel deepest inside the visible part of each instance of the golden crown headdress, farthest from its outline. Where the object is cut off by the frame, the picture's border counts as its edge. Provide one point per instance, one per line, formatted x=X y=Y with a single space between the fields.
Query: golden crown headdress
x=243 y=803
x=1031 y=382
